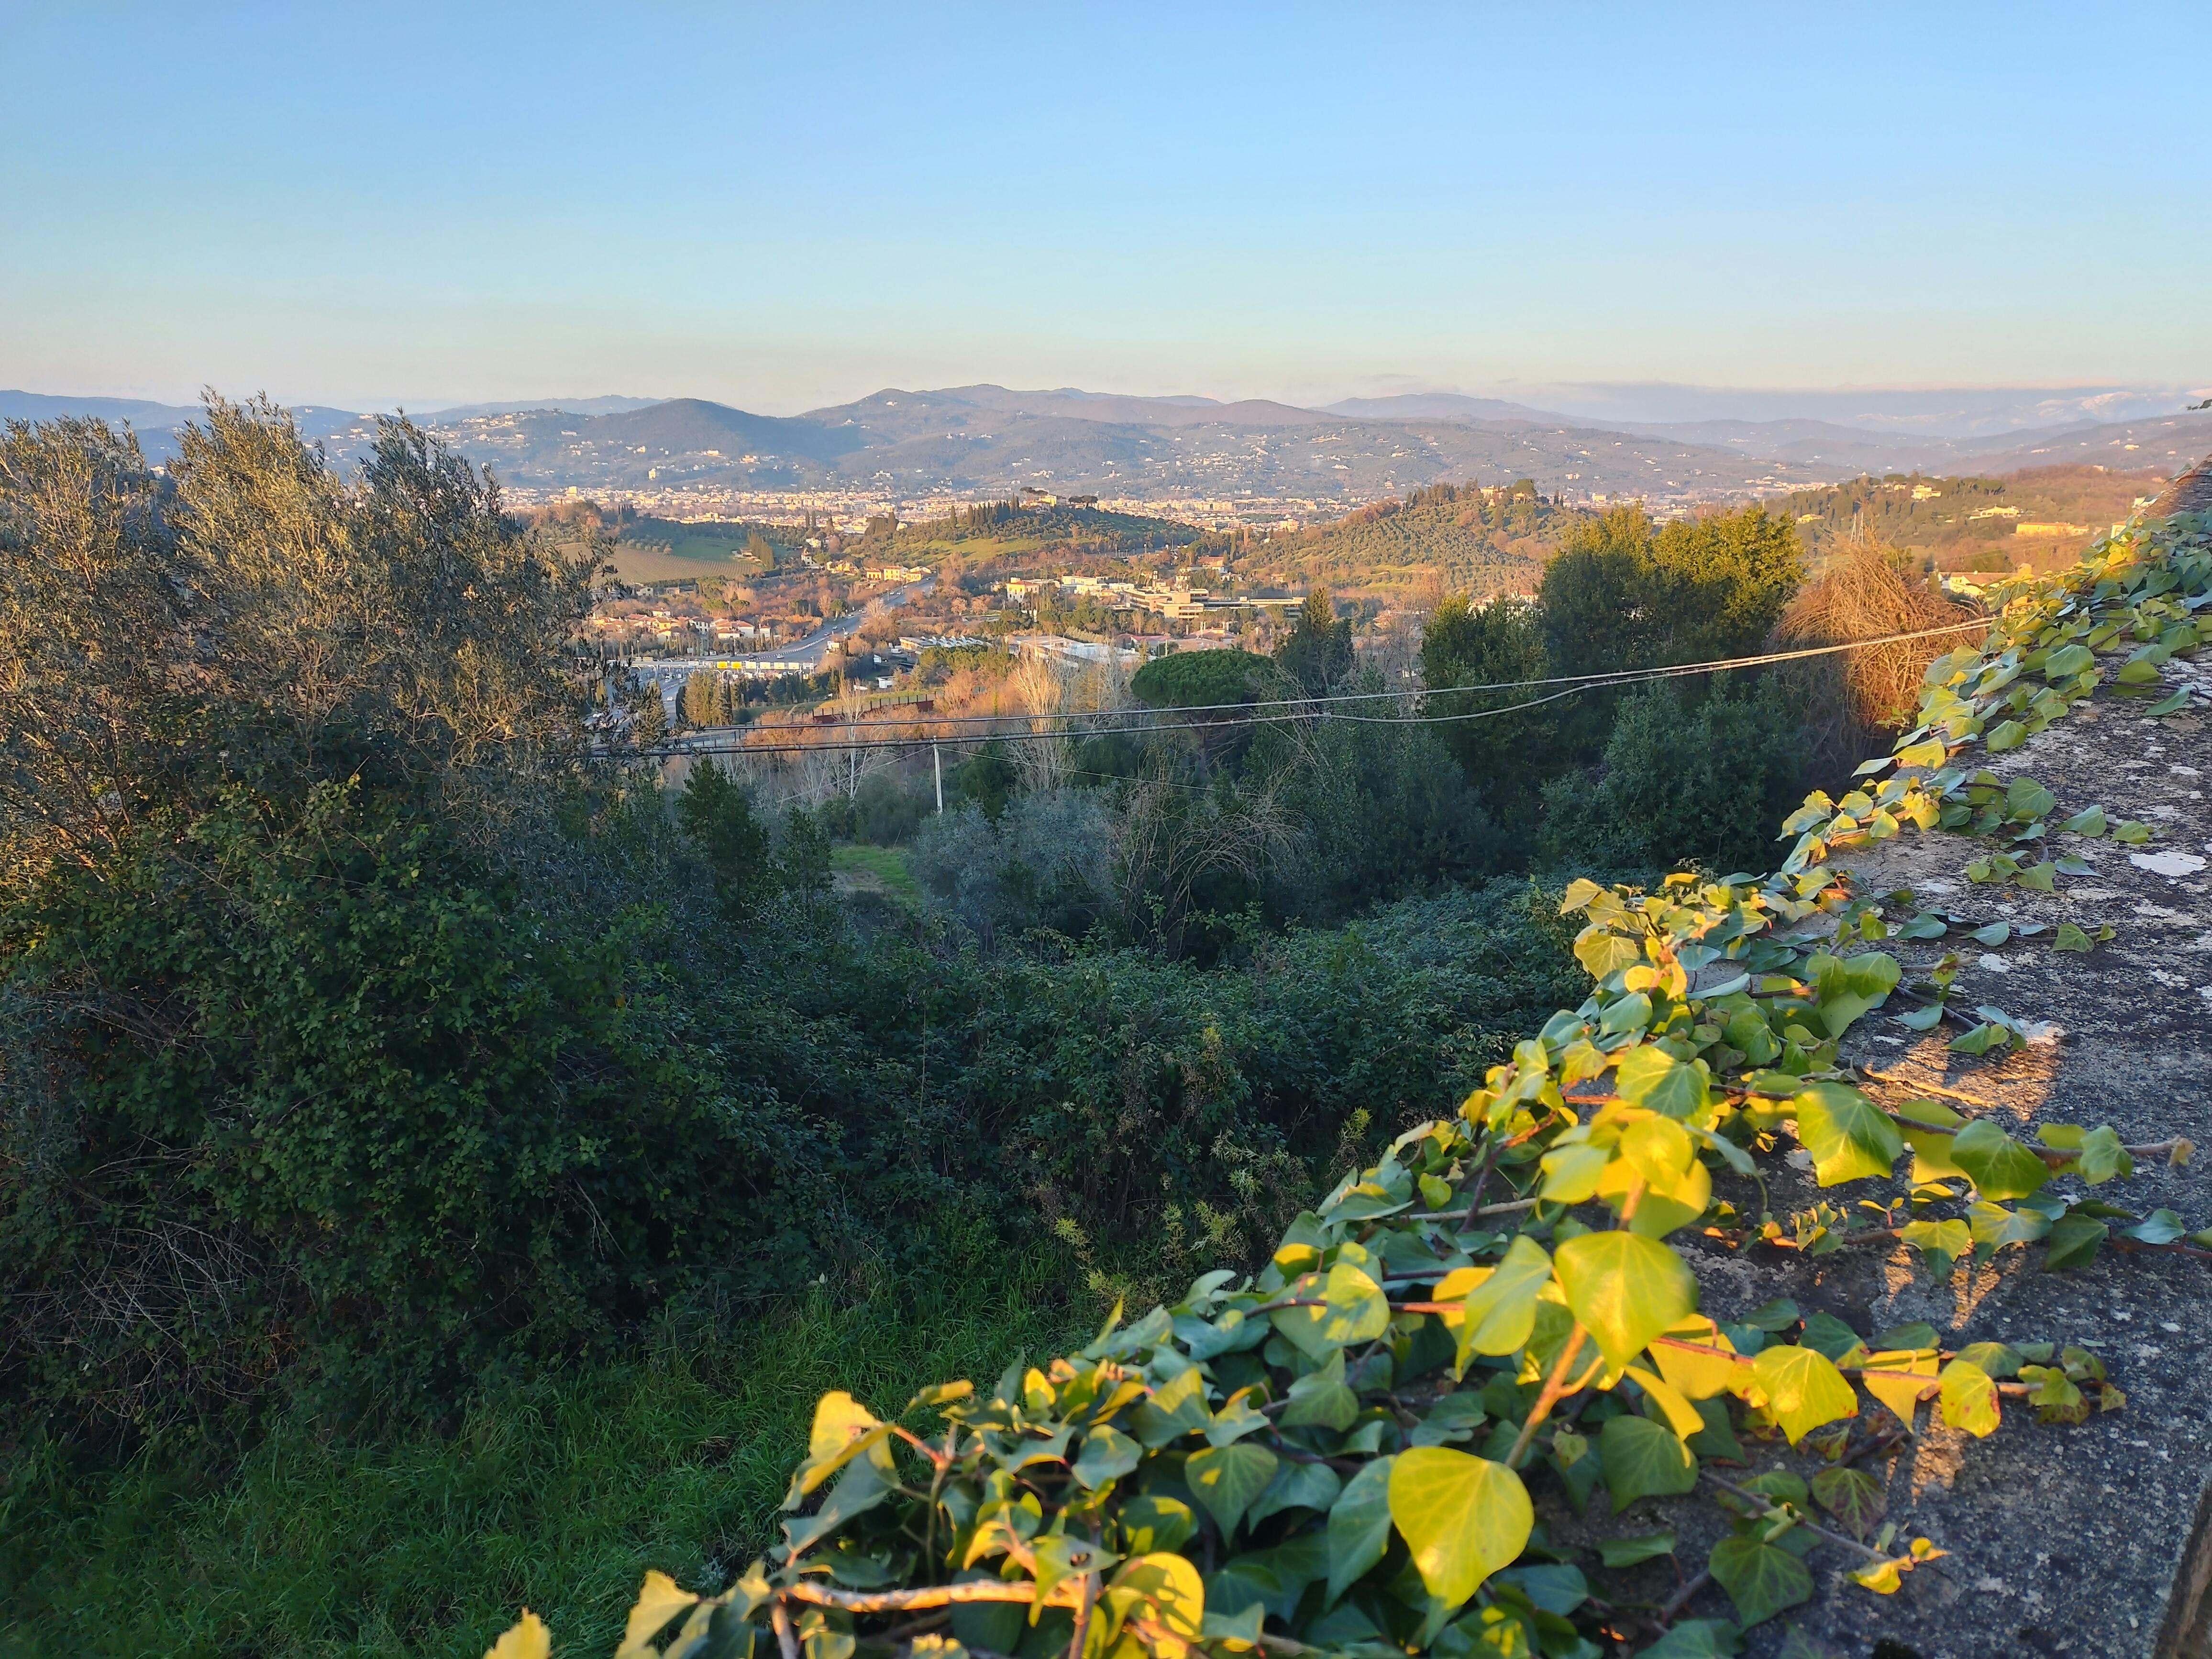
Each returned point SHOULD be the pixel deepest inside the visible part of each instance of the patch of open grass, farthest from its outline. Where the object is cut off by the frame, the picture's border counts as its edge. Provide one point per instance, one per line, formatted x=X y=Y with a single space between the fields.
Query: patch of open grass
x=886 y=865
x=556 y=1494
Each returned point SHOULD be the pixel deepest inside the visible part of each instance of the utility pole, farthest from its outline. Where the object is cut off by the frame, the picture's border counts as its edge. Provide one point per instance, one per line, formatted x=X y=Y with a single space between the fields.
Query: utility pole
x=937 y=765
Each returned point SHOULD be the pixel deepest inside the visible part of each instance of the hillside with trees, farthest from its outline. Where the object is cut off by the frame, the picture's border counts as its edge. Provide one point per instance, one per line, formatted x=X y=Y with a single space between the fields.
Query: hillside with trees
x=2042 y=517
x=1446 y=538
x=450 y=1133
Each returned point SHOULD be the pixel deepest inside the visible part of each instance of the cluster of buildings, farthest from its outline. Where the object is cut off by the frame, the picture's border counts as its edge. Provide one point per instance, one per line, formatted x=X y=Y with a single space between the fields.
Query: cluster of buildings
x=1175 y=604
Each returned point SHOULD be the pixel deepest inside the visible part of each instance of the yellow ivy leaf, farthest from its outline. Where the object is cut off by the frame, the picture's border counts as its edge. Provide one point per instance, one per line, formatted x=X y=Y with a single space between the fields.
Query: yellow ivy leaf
x=1626 y=1289
x=1802 y=1389
x=1681 y=1416
x=1700 y=1375
x=1969 y=1399
x=527 y=1638
x=658 y=1601
x=1463 y=1517
x=1896 y=1377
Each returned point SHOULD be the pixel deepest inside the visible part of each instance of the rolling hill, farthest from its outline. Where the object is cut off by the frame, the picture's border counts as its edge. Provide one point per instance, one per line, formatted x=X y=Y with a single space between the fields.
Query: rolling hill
x=992 y=440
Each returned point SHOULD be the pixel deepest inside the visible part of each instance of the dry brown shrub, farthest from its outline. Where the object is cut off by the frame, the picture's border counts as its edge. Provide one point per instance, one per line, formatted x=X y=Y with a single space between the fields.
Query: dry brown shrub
x=1853 y=701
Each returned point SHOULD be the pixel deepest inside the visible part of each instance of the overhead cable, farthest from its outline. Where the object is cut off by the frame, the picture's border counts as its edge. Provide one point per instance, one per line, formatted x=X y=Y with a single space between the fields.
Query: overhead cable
x=1290 y=711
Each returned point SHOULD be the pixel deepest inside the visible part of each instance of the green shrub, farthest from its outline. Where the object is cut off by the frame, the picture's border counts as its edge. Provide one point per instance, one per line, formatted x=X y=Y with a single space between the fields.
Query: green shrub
x=1686 y=779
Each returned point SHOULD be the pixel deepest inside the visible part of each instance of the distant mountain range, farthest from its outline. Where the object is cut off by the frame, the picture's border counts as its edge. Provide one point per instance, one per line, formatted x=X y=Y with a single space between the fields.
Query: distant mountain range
x=988 y=439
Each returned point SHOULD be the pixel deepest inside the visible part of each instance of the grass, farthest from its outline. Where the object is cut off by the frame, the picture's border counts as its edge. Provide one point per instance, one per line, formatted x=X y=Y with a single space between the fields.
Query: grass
x=556 y=1494
x=636 y=561
x=882 y=866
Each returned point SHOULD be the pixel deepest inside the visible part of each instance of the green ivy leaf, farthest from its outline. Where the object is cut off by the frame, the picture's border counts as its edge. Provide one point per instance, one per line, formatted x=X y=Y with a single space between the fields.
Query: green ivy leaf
x=1320 y=1399
x=1942 y=1242
x=2070 y=938
x=1226 y=1478
x=858 y=1489
x=1717 y=1438
x=1359 y=1525
x=1151 y=1523
x=1297 y=1486
x=1694 y=1639
x=1653 y=1079
x=1626 y=1289
x=1999 y=1166
x=2026 y=800
x=2040 y=877
x=2173 y=704
x=1108 y=1455
x=1463 y=1517
x=1235 y=1419
x=1775 y=1316
x=2053 y=1394
x=1354 y=1309
x=1847 y=1135
x=1760 y=1578
x=2104 y=1156
x=2067 y=661
x=1643 y=1459
x=1848 y=987
x=1176 y=1408
x=1825 y=1333
x=1618 y=1552
x=2009 y=734
x=2131 y=834
x=1748 y=1031
x=2074 y=1242
x=2089 y=821
x=1993 y=1226
x=1980 y=1040
x=2158 y=1227
x=1853 y=1496
x=1629 y=1013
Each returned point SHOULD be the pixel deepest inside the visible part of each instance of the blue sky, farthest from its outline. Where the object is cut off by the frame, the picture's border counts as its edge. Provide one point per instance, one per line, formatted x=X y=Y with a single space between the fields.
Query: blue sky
x=785 y=206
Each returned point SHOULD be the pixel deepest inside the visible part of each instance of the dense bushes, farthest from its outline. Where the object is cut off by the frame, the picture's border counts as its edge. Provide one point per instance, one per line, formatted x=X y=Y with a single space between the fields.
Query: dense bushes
x=1686 y=779
x=323 y=1042
x=1045 y=862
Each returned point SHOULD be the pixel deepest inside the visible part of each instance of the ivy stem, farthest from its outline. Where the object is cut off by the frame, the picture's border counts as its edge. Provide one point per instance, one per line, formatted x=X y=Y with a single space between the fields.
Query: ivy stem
x=1482 y=1180
x=1767 y=1506
x=1682 y=1598
x=1083 y=1615
x=1554 y=1386
x=780 y=1616
x=1473 y=1211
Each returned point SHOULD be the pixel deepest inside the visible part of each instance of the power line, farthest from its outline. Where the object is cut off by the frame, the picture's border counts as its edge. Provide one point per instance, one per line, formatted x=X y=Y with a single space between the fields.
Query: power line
x=1253 y=714
x=1616 y=677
